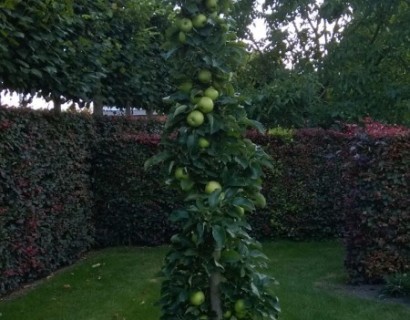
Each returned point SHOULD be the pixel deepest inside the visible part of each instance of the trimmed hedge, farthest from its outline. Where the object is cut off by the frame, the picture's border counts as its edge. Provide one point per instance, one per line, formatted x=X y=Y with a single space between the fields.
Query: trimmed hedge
x=304 y=193
x=45 y=193
x=131 y=205
x=378 y=216
x=70 y=181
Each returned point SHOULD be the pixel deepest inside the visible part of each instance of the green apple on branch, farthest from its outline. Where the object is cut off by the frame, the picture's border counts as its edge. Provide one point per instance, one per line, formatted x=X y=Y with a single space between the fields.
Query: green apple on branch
x=199 y=21
x=186 y=86
x=181 y=173
x=185 y=25
x=211 y=5
x=211 y=186
x=195 y=118
x=205 y=76
x=197 y=298
x=212 y=93
x=203 y=143
x=205 y=104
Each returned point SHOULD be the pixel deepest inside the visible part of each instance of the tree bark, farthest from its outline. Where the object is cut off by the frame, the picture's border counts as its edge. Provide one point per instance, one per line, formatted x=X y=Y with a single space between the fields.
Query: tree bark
x=216 y=306
x=149 y=113
x=98 y=106
x=128 y=109
x=57 y=105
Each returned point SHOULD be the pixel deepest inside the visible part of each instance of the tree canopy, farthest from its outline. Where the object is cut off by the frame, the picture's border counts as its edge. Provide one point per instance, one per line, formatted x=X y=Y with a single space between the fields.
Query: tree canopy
x=100 y=51
x=331 y=60
x=321 y=62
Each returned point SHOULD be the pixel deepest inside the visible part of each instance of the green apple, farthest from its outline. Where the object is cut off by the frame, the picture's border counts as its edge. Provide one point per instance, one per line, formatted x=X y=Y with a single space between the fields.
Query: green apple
x=259 y=200
x=240 y=211
x=211 y=5
x=186 y=86
x=197 y=298
x=182 y=37
x=181 y=173
x=204 y=76
x=203 y=143
x=212 y=93
x=211 y=186
x=205 y=104
x=185 y=25
x=195 y=118
x=227 y=314
x=239 y=306
x=199 y=21
x=203 y=317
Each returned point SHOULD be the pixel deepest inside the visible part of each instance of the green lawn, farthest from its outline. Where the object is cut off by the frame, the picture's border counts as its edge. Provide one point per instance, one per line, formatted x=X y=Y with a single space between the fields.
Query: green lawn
x=121 y=283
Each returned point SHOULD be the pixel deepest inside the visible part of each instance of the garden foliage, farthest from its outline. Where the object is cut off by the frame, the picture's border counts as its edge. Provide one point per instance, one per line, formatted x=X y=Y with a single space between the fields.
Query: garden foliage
x=131 y=204
x=378 y=211
x=55 y=169
x=304 y=191
x=45 y=194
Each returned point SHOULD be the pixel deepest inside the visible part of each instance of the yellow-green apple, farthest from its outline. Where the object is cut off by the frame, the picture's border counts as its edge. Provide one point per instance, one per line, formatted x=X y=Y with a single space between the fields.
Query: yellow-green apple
x=211 y=186
x=204 y=76
x=182 y=37
x=185 y=25
x=211 y=5
x=199 y=21
x=195 y=118
x=203 y=143
x=186 y=86
x=212 y=93
x=197 y=298
x=205 y=104
x=181 y=173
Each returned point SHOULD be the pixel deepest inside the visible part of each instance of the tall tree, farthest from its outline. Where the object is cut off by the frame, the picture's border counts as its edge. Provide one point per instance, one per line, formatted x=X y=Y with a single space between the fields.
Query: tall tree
x=345 y=60
x=212 y=270
x=367 y=71
x=87 y=50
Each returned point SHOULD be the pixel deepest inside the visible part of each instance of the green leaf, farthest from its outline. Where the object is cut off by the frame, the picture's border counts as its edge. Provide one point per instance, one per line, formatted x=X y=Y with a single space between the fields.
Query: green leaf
x=254 y=124
x=180 y=109
x=179 y=215
x=215 y=198
x=186 y=185
x=160 y=157
x=230 y=256
x=219 y=235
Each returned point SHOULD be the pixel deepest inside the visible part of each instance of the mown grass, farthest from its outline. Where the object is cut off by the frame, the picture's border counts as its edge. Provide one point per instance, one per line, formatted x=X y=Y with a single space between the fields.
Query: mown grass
x=121 y=284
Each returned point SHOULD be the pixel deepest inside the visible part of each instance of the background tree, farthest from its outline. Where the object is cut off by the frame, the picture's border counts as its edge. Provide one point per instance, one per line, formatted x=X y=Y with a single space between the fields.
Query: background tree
x=343 y=60
x=106 y=52
x=367 y=71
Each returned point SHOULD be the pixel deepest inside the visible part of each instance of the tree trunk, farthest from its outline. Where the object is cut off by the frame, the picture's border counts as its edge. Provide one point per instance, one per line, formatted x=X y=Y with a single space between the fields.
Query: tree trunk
x=149 y=113
x=128 y=109
x=216 y=306
x=57 y=105
x=98 y=106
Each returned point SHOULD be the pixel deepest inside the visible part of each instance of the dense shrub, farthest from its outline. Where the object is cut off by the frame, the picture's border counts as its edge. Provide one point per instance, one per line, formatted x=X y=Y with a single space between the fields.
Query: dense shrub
x=378 y=216
x=45 y=193
x=108 y=127
x=131 y=204
x=68 y=180
x=304 y=192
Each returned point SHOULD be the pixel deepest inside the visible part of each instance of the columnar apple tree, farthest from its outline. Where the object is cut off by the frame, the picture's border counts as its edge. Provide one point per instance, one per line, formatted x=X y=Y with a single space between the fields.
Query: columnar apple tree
x=213 y=268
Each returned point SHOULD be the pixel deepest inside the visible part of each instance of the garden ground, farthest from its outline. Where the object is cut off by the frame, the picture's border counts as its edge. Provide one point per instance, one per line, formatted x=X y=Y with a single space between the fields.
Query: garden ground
x=123 y=284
